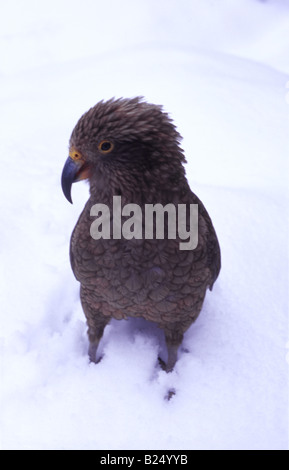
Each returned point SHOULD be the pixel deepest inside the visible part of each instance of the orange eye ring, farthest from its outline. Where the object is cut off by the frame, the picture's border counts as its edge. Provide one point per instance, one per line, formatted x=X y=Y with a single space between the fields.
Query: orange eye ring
x=75 y=155
x=105 y=146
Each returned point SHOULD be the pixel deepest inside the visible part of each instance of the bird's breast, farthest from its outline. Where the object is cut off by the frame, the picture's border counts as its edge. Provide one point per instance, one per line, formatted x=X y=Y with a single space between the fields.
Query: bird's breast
x=137 y=275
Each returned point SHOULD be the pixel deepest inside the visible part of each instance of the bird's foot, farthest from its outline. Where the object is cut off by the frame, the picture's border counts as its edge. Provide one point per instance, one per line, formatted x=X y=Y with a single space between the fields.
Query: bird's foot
x=95 y=361
x=171 y=391
x=165 y=366
x=170 y=394
x=162 y=363
x=92 y=354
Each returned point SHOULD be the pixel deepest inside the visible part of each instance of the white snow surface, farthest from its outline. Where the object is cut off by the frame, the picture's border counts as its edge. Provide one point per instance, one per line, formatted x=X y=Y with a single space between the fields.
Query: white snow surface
x=220 y=68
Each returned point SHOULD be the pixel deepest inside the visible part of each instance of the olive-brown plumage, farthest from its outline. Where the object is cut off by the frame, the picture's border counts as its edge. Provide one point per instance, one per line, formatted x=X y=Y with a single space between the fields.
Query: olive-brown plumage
x=130 y=148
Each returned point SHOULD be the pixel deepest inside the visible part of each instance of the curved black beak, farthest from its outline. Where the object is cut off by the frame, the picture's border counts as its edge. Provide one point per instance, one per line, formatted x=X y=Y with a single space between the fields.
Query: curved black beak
x=69 y=172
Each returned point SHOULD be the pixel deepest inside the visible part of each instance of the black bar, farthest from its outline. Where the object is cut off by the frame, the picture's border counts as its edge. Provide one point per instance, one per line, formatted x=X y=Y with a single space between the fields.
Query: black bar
x=138 y=458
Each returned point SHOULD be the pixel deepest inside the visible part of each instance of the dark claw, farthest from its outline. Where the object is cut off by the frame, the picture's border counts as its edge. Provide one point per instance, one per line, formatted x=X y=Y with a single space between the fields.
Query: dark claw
x=170 y=394
x=164 y=365
x=92 y=354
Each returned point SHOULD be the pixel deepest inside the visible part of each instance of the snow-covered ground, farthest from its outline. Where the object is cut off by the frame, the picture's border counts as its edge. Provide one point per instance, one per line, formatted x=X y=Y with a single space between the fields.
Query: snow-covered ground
x=221 y=69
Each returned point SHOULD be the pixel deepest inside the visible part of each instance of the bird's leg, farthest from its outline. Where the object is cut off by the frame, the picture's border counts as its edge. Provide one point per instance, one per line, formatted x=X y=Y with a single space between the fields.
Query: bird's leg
x=95 y=333
x=173 y=341
x=172 y=356
x=96 y=323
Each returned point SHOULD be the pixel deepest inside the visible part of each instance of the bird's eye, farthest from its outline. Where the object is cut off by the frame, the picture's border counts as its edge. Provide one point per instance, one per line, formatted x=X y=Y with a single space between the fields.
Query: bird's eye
x=105 y=146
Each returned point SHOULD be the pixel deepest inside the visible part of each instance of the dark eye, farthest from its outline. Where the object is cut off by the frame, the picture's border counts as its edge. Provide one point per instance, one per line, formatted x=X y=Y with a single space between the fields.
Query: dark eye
x=105 y=146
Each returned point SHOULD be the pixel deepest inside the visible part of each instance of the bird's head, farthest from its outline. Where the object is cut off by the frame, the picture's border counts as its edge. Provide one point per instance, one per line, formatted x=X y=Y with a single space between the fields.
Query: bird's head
x=124 y=144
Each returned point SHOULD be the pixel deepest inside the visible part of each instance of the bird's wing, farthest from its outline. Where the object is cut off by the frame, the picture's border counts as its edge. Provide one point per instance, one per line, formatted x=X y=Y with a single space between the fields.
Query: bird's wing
x=213 y=247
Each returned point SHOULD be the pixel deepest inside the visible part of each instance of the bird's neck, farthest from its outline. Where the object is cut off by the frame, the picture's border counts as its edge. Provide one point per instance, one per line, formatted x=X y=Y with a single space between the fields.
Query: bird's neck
x=137 y=187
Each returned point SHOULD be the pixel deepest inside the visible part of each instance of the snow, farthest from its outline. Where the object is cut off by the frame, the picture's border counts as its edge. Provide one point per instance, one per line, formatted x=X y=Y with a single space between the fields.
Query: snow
x=221 y=70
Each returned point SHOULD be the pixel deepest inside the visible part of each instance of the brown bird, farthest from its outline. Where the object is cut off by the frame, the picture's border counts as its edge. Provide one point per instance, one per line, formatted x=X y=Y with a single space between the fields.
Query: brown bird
x=131 y=149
